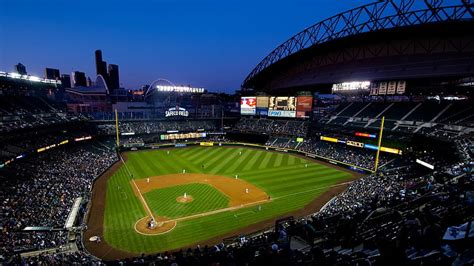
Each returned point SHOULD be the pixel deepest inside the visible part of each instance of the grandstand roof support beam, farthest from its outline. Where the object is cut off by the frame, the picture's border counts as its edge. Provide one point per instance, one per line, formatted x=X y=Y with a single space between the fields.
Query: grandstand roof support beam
x=468 y=5
x=381 y=15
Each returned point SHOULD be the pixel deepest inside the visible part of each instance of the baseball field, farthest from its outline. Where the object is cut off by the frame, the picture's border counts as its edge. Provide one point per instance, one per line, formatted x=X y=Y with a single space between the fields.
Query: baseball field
x=195 y=194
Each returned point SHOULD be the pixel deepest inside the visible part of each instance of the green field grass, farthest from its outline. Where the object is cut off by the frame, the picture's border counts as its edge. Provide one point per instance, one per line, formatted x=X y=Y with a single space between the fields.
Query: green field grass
x=291 y=181
x=205 y=198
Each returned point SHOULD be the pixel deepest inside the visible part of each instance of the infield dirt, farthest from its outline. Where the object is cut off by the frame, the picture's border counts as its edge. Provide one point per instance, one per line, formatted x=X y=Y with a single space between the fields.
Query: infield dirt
x=95 y=217
x=237 y=190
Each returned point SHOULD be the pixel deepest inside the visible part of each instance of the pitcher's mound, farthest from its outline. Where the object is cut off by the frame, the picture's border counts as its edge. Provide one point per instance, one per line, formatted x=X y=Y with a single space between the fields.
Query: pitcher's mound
x=163 y=225
x=182 y=199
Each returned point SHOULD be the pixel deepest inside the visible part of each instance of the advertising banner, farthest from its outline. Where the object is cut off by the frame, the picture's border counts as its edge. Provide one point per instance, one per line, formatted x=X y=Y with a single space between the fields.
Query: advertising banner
x=282 y=107
x=304 y=106
x=355 y=144
x=365 y=135
x=207 y=144
x=329 y=139
x=192 y=135
x=262 y=105
x=391 y=150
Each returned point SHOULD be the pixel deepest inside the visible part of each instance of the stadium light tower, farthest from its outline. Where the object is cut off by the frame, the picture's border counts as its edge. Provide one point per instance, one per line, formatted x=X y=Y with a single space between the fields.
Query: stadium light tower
x=117 y=141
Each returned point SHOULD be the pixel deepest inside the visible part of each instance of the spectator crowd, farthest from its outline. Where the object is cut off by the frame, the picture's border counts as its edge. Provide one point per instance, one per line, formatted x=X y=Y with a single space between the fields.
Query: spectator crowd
x=398 y=216
x=40 y=192
x=273 y=127
x=157 y=126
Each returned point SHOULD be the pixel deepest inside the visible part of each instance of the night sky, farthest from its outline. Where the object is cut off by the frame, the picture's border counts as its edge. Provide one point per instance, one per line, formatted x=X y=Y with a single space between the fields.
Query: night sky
x=208 y=43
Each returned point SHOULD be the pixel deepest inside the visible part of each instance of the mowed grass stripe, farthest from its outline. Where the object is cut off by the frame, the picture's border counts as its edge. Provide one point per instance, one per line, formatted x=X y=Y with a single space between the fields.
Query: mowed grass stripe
x=151 y=165
x=240 y=160
x=300 y=175
x=227 y=159
x=250 y=160
x=260 y=156
x=264 y=172
x=136 y=168
x=209 y=155
x=307 y=184
x=133 y=166
x=168 y=163
x=266 y=160
x=189 y=166
x=184 y=152
x=278 y=160
x=284 y=161
x=291 y=160
x=217 y=160
x=291 y=185
x=202 y=153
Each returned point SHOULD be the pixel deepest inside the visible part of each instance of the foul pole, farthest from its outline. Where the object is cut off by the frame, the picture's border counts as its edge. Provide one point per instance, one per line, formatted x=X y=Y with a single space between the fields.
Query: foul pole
x=117 y=141
x=379 y=145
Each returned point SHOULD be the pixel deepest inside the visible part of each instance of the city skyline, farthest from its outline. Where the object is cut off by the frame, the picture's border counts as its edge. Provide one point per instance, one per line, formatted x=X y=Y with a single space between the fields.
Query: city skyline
x=208 y=44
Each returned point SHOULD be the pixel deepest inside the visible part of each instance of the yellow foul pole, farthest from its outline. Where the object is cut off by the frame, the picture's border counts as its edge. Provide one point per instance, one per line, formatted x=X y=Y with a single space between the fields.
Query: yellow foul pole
x=379 y=145
x=117 y=129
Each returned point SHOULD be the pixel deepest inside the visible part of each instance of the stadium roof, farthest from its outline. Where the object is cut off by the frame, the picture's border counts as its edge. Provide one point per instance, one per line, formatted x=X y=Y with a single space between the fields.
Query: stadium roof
x=381 y=15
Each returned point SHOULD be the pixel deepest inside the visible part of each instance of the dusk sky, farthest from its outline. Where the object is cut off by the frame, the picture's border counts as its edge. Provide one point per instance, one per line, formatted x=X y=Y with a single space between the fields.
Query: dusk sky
x=209 y=43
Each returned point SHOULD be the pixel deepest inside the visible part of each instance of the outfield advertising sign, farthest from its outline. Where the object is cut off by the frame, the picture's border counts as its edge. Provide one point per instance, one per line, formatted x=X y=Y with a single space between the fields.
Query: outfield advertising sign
x=192 y=135
x=281 y=113
x=262 y=111
x=207 y=144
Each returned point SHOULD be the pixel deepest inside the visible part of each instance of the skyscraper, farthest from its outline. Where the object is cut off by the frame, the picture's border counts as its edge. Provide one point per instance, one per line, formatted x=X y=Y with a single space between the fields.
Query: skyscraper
x=20 y=69
x=100 y=65
x=66 y=81
x=78 y=79
x=89 y=82
x=113 y=77
x=51 y=73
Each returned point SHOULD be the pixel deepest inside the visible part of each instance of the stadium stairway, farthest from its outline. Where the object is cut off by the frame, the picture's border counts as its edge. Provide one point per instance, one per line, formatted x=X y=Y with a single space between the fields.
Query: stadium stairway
x=379 y=115
x=356 y=114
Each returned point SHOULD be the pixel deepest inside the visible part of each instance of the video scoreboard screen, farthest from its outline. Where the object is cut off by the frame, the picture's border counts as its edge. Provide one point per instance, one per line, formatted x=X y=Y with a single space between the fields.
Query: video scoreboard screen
x=248 y=105
x=282 y=107
x=304 y=105
x=262 y=105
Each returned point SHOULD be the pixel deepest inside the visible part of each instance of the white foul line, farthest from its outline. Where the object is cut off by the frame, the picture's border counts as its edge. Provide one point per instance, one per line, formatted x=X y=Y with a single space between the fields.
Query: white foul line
x=143 y=200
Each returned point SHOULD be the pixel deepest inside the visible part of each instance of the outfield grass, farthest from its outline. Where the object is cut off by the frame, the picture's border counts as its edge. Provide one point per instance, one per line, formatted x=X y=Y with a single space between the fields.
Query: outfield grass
x=291 y=181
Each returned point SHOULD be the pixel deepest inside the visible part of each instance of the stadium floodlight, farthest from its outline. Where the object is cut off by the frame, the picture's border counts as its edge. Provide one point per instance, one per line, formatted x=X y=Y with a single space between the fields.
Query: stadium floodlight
x=29 y=78
x=184 y=89
x=351 y=86
x=34 y=78
x=14 y=75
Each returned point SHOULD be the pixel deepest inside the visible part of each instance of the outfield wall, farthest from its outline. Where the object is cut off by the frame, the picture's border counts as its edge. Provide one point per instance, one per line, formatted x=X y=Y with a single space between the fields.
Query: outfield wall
x=251 y=145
